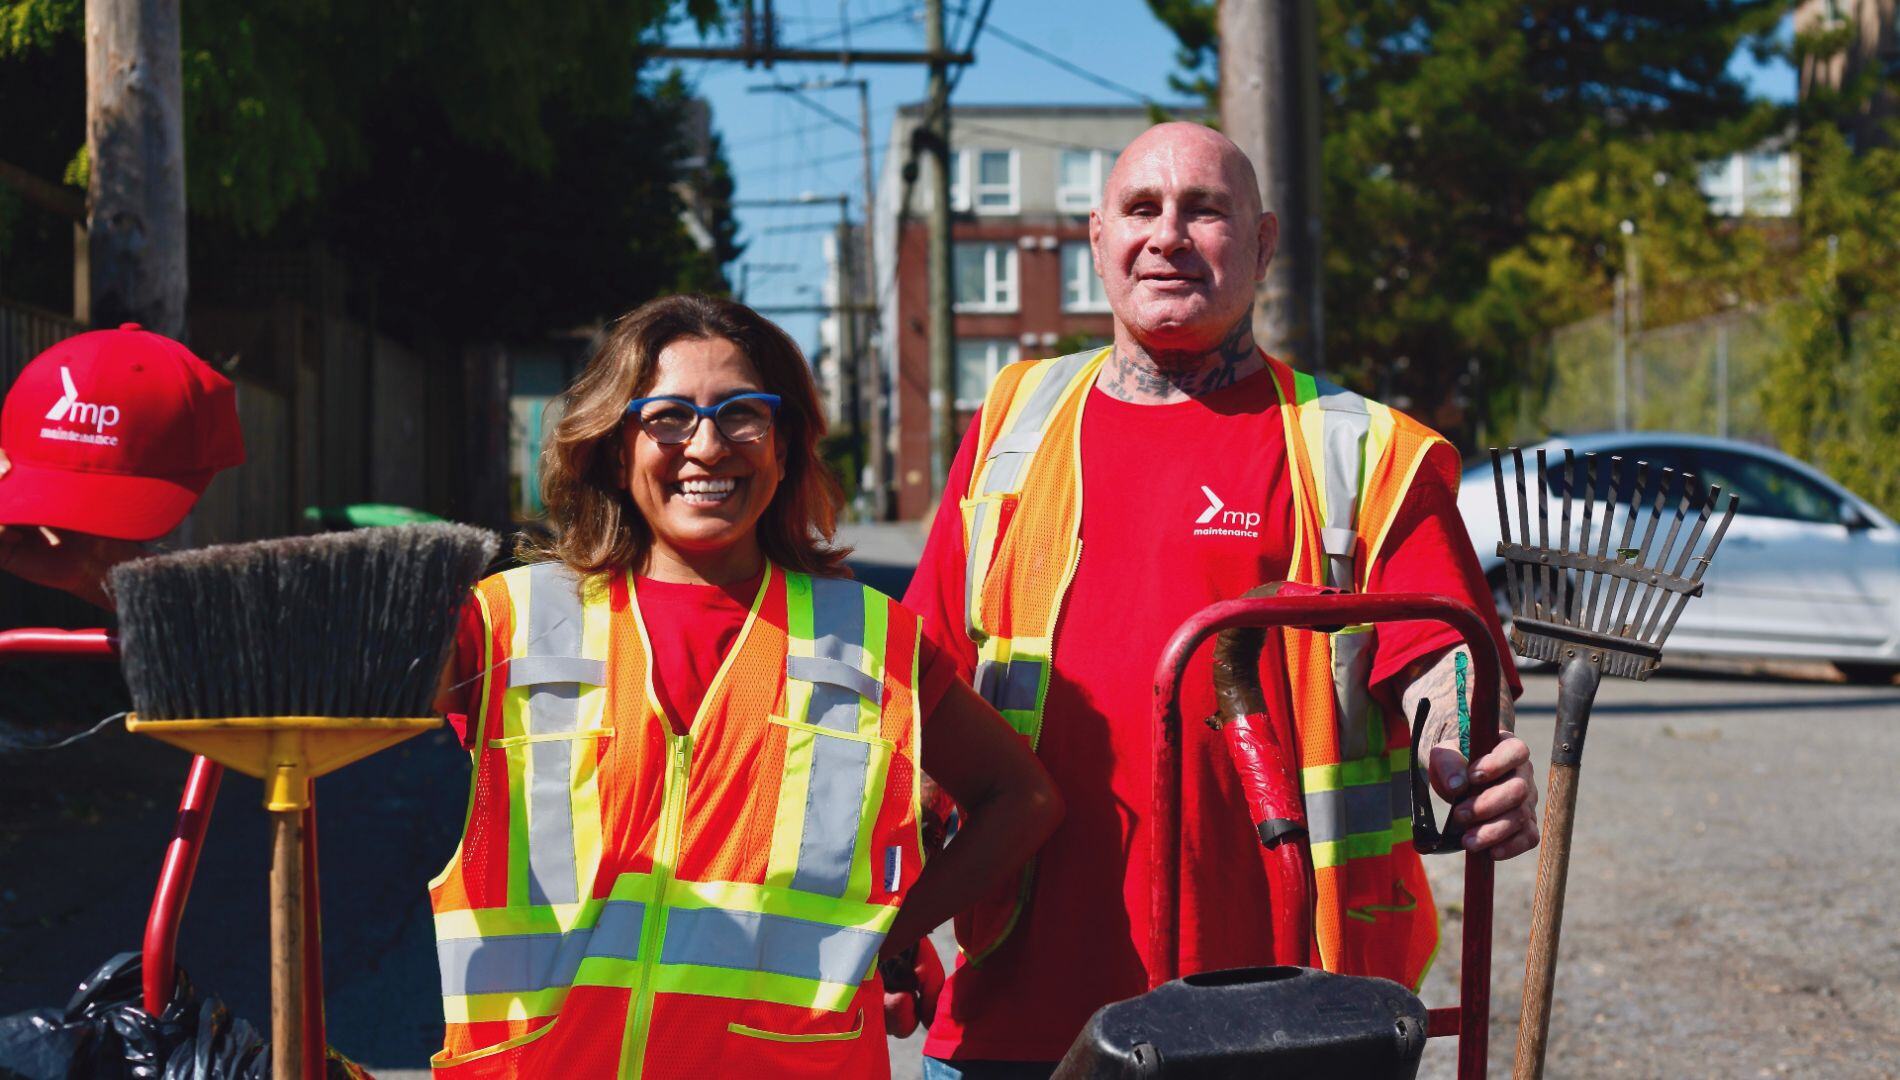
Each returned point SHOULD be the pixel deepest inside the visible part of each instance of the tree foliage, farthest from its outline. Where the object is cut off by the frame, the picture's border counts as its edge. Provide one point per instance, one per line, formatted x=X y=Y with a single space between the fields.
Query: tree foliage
x=1452 y=128
x=505 y=166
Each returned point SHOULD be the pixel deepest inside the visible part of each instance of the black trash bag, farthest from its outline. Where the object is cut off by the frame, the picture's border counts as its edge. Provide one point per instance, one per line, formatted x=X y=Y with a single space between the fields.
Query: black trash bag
x=225 y=1047
x=104 y=1031
x=228 y=1047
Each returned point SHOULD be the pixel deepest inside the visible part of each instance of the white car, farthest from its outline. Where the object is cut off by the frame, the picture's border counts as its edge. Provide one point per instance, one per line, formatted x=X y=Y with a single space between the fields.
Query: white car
x=1808 y=570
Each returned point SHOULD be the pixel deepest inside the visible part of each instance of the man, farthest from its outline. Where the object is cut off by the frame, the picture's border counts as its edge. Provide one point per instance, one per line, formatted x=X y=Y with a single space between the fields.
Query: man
x=106 y=441
x=1099 y=501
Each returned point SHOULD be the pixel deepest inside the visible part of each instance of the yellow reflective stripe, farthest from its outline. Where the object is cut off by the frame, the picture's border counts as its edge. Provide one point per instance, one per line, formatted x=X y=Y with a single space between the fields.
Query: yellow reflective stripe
x=876 y=641
x=814 y=729
x=1312 y=420
x=877 y=768
x=490 y=1008
x=514 y=706
x=817 y=1036
x=550 y=736
x=596 y=638
x=753 y=986
x=799 y=633
x=1365 y=771
x=1362 y=845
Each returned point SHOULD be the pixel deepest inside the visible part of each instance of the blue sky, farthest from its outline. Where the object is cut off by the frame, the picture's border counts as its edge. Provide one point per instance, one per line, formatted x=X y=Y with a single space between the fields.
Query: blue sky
x=779 y=148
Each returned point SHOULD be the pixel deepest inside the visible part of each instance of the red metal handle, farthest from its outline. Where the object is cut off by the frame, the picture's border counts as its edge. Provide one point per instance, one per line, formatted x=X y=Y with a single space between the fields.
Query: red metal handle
x=41 y=644
x=1316 y=611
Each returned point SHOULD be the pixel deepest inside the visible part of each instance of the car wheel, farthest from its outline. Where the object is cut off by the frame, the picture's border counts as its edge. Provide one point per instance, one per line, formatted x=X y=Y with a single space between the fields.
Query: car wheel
x=1868 y=674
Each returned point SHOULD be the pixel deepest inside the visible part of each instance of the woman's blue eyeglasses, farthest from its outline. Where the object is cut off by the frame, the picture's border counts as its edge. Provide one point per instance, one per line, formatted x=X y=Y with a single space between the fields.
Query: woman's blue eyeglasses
x=673 y=420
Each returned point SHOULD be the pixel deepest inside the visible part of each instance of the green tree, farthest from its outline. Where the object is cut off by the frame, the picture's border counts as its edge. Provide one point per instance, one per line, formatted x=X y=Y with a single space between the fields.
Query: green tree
x=504 y=167
x=1446 y=124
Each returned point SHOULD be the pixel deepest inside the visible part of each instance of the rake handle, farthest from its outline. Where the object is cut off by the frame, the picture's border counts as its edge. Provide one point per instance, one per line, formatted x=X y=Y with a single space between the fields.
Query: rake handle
x=1577 y=683
x=287 y=944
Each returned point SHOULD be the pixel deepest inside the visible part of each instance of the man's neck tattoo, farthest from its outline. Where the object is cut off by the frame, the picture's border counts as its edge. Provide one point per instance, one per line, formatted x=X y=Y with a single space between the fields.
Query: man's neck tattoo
x=1137 y=375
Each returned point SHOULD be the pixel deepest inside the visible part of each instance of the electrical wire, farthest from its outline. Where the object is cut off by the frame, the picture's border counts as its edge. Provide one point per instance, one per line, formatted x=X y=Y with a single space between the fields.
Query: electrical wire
x=1077 y=70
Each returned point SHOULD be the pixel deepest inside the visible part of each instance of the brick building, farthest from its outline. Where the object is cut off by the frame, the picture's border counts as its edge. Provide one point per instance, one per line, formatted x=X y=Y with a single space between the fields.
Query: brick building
x=1023 y=178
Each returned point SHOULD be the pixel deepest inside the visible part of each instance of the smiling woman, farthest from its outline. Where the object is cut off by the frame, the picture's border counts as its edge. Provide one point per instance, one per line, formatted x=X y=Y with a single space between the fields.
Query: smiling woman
x=620 y=498
x=692 y=844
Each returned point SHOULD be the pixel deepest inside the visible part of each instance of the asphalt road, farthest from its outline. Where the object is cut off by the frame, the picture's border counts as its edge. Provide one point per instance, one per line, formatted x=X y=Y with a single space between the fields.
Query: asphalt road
x=1730 y=909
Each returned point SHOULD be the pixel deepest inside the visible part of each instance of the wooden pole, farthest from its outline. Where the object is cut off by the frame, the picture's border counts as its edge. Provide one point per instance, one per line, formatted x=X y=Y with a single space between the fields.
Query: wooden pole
x=872 y=377
x=135 y=140
x=1269 y=106
x=287 y=944
x=943 y=384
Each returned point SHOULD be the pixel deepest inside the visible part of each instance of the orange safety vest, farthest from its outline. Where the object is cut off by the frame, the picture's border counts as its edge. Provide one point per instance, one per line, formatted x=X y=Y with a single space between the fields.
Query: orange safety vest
x=1353 y=461
x=631 y=902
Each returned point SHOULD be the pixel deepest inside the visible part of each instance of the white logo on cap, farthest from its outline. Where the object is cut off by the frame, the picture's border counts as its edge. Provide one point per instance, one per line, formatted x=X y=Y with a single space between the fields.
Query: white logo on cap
x=69 y=409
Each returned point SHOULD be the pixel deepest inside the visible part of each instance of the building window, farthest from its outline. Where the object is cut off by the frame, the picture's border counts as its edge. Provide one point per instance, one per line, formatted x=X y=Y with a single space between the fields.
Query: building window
x=984 y=181
x=1079 y=179
x=978 y=361
x=1081 y=288
x=986 y=277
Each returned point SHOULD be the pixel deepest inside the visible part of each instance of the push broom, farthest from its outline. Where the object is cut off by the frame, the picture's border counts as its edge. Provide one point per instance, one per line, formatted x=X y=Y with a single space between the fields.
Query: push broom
x=1592 y=610
x=287 y=659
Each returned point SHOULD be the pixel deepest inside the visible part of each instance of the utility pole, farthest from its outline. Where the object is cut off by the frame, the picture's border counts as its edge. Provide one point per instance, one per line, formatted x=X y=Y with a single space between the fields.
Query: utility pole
x=1269 y=105
x=942 y=332
x=868 y=376
x=135 y=141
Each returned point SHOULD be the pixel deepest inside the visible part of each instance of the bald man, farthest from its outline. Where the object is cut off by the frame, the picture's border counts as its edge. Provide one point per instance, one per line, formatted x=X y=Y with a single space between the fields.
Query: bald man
x=1101 y=499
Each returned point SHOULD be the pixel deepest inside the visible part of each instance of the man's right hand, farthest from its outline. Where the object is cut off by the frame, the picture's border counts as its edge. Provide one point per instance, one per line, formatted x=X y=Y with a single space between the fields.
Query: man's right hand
x=71 y=562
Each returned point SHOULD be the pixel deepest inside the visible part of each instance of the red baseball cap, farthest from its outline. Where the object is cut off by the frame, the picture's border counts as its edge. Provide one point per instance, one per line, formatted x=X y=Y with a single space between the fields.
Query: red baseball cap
x=115 y=433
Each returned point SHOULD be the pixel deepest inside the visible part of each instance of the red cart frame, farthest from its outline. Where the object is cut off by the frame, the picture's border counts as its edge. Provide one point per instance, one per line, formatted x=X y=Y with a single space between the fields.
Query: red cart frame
x=160 y=949
x=1469 y=1020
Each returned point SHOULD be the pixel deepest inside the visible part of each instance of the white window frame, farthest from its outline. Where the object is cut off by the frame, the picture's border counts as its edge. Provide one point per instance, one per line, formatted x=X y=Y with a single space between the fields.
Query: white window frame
x=1081 y=280
x=966 y=193
x=1001 y=353
x=1001 y=277
x=1073 y=200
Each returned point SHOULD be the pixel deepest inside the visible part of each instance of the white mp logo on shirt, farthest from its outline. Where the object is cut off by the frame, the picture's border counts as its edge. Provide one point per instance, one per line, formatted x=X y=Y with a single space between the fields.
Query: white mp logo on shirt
x=70 y=410
x=1217 y=520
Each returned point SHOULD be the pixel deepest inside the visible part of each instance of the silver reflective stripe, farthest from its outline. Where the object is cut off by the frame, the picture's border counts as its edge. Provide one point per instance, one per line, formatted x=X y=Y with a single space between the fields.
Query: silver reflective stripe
x=823 y=669
x=1006 y=474
x=1344 y=423
x=523 y=963
x=834 y=808
x=779 y=944
x=972 y=587
x=837 y=619
x=1352 y=699
x=989 y=680
x=1335 y=815
x=1016 y=442
x=1398 y=791
x=1022 y=684
x=554 y=629
x=530 y=670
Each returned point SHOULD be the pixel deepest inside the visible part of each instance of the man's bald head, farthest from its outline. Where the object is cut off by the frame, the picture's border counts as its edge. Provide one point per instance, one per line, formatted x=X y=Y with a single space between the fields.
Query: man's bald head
x=1180 y=239
x=1183 y=137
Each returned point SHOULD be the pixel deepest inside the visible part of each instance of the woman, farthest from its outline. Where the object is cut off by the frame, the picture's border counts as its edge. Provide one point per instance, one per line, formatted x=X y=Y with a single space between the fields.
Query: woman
x=693 y=824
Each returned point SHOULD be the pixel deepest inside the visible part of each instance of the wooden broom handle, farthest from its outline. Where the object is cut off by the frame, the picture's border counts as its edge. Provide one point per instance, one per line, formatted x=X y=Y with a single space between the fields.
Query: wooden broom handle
x=1547 y=919
x=286 y=944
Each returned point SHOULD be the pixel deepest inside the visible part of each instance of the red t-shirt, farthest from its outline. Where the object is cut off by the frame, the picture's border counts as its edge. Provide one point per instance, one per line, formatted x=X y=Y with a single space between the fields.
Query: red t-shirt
x=692 y=628
x=1183 y=505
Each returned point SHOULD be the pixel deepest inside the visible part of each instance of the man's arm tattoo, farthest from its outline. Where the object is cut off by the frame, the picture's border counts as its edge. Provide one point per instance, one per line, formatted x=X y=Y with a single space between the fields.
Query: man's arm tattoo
x=1435 y=677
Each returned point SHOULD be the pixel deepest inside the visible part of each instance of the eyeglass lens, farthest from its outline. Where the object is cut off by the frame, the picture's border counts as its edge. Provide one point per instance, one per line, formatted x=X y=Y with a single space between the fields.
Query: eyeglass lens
x=739 y=419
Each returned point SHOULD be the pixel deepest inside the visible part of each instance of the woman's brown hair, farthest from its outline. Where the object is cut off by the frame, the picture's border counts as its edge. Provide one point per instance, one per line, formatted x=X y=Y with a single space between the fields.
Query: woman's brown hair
x=596 y=526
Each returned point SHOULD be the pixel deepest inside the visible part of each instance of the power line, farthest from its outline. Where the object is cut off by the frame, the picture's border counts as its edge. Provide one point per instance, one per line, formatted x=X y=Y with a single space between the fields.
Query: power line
x=1077 y=70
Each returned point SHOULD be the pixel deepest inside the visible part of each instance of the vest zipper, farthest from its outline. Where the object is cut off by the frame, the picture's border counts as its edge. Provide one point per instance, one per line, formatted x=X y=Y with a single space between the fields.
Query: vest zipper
x=652 y=936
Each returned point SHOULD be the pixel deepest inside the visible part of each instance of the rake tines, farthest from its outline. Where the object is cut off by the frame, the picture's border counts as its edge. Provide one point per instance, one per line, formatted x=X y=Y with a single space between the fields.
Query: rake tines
x=1574 y=592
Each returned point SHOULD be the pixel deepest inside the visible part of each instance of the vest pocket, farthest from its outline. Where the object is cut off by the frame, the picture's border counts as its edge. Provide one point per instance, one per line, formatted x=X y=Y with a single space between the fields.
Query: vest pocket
x=857 y=1029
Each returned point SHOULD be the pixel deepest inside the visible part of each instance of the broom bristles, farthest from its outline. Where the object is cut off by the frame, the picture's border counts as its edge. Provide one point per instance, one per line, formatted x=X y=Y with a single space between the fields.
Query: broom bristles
x=351 y=624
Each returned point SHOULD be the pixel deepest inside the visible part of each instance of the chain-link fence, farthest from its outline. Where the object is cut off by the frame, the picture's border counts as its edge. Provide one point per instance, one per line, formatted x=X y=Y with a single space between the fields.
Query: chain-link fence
x=1703 y=377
